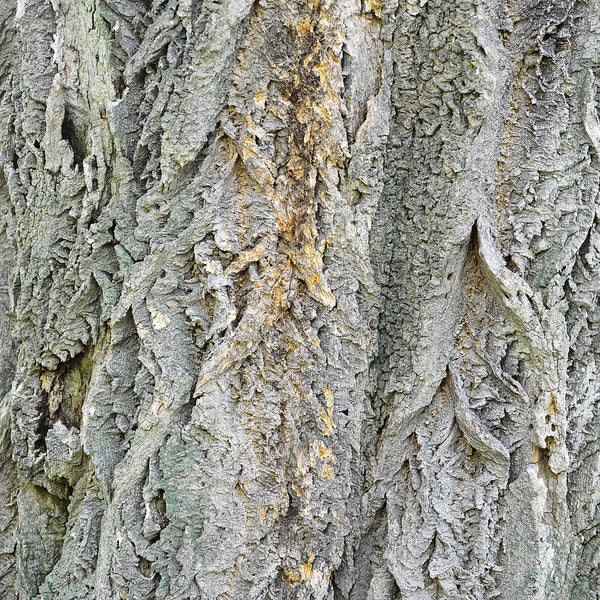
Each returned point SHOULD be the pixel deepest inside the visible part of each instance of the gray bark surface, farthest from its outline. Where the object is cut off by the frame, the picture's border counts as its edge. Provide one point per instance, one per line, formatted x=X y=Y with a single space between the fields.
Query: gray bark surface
x=299 y=299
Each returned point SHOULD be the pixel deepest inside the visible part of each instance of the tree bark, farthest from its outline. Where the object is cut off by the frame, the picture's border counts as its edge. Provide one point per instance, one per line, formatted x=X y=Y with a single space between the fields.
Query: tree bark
x=299 y=299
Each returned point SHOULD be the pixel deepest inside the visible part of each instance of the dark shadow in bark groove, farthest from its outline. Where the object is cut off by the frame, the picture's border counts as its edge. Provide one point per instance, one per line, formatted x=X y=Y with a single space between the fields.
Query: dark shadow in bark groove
x=75 y=138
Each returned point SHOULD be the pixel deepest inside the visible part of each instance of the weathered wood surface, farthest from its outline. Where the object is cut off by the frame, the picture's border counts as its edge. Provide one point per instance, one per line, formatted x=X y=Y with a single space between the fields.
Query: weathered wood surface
x=299 y=299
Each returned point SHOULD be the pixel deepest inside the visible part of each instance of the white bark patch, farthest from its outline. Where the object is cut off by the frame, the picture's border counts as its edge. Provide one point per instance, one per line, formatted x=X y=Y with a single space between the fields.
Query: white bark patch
x=159 y=321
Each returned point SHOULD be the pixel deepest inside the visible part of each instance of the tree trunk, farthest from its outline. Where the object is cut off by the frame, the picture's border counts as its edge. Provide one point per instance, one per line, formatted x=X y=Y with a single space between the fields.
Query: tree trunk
x=299 y=299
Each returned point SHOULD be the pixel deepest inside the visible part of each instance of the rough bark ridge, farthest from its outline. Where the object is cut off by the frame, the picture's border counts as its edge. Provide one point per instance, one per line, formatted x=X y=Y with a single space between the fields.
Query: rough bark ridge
x=299 y=299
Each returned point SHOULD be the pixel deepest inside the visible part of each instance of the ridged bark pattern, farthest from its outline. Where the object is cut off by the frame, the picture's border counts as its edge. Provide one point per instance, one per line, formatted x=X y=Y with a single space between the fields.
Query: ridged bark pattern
x=299 y=299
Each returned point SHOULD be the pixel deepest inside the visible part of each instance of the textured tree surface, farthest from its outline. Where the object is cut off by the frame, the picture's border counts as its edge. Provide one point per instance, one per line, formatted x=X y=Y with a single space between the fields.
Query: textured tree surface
x=299 y=299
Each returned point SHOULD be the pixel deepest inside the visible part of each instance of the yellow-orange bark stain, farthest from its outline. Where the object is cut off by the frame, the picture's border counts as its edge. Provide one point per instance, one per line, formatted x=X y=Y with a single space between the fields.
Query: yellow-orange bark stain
x=306 y=568
x=326 y=414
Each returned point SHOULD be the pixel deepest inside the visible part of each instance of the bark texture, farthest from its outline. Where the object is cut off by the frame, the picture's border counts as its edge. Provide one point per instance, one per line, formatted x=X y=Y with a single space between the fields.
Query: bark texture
x=299 y=299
